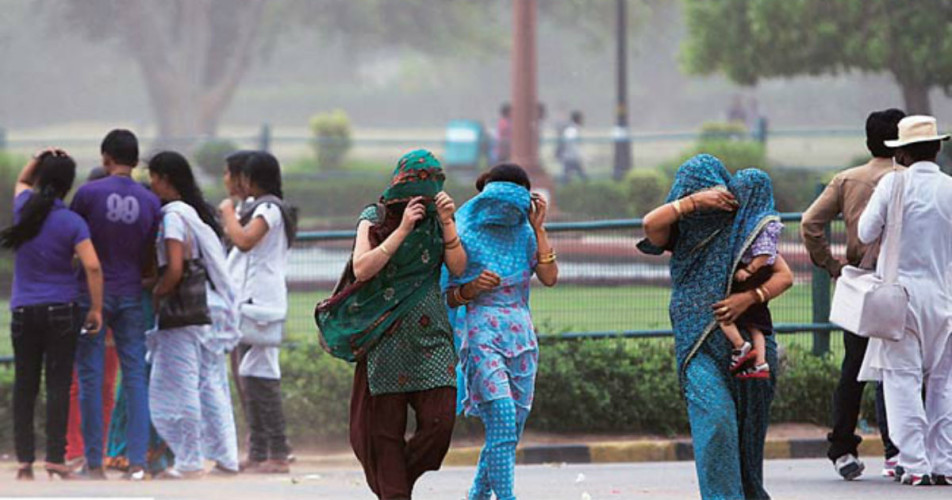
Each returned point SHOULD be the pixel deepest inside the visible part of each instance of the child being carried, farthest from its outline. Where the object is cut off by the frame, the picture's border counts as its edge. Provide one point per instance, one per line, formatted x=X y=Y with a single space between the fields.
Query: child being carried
x=758 y=263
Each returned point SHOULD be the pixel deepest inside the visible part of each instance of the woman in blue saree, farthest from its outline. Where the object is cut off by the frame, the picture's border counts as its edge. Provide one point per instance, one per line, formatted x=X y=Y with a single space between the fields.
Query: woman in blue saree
x=708 y=221
x=506 y=244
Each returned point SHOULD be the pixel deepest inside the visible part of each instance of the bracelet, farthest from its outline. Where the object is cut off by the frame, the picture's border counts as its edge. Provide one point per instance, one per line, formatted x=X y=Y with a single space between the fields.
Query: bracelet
x=677 y=208
x=760 y=295
x=693 y=203
x=766 y=292
x=458 y=296
x=386 y=251
x=548 y=258
x=454 y=243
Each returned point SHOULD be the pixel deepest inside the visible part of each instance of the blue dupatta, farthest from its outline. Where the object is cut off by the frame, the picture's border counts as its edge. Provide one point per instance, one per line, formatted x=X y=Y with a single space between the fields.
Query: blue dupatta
x=707 y=246
x=494 y=229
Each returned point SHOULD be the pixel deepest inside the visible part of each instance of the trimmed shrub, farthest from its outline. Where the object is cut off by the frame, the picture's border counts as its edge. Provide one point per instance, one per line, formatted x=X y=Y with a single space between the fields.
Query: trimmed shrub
x=723 y=131
x=647 y=189
x=332 y=139
x=316 y=389
x=210 y=156
x=593 y=199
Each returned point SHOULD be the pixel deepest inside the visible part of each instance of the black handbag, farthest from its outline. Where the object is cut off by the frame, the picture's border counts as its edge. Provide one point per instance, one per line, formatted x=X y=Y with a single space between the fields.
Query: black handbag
x=188 y=304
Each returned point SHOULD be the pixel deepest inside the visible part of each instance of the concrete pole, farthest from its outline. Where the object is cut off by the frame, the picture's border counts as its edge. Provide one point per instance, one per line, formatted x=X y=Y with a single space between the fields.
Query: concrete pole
x=525 y=133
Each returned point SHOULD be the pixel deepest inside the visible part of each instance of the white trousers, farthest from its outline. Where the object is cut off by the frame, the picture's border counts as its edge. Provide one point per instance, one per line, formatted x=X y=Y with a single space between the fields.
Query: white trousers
x=190 y=400
x=921 y=430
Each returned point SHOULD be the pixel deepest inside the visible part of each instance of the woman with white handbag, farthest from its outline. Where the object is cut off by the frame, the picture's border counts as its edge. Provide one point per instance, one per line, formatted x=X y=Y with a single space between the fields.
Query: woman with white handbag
x=262 y=234
x=912 y=213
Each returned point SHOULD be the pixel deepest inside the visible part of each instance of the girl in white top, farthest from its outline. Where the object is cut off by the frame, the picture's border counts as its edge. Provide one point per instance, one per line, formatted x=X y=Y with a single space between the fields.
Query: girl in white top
x=262 y=237
x=923 y=433
x=189 y=396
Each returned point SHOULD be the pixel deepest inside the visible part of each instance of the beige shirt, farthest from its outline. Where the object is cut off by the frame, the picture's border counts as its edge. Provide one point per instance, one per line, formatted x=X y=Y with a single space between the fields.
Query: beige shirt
x=847 y=194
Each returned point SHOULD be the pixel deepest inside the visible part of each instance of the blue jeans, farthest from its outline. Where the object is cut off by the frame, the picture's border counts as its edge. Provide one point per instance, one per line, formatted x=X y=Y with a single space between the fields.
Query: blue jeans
x=125 y=317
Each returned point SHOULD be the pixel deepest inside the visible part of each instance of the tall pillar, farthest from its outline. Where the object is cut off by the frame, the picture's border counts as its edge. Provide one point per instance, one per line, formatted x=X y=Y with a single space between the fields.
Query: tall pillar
x=525 y=123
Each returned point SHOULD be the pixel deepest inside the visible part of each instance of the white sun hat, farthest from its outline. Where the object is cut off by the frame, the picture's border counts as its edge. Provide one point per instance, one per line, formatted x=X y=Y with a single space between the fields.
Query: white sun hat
x=915 y=129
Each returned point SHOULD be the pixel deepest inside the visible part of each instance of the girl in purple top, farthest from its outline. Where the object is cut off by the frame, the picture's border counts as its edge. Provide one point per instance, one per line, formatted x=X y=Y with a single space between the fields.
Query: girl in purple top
x=46 y=319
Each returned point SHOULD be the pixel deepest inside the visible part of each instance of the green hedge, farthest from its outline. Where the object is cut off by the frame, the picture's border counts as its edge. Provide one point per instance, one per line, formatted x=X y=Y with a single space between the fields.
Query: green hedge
x=584 y=386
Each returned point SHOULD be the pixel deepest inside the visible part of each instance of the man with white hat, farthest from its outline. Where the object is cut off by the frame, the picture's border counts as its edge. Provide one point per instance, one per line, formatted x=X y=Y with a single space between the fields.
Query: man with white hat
x=923 y=356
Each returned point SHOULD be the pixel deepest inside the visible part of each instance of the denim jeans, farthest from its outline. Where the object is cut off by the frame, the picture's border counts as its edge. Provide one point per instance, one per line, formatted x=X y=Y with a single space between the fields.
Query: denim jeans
x=124 y=315
x=43 y=336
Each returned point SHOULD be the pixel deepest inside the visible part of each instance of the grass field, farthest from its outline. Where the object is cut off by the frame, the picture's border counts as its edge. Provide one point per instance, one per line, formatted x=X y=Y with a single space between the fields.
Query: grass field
x=566 y=308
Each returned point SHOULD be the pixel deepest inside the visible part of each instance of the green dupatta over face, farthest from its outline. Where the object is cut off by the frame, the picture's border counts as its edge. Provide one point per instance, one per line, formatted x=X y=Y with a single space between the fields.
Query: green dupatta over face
x=354 y=320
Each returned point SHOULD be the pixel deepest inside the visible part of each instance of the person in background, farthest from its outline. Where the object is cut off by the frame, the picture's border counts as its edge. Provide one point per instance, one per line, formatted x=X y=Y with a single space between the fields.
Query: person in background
x=736 y=112
x=236 y=181
x=847 y=195
x=75 y=449
x=190 y=397
x=262 y=237
x=920 y=363
x=502 y=230
x=571 y=157
x=123 y=218
x=503 y=134
x=46 y=318
x=394 y=323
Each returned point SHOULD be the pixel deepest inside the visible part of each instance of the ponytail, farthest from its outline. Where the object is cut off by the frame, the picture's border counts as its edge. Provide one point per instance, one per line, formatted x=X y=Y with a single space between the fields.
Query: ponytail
x=55 y=175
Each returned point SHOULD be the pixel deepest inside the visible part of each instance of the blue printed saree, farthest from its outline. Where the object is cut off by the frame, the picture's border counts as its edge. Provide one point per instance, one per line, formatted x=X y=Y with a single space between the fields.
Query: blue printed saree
x=728 y=416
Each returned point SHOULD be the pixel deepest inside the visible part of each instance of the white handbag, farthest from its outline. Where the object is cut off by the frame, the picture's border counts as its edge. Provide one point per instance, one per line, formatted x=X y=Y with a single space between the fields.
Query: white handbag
x=261 y=325
x=870 y=305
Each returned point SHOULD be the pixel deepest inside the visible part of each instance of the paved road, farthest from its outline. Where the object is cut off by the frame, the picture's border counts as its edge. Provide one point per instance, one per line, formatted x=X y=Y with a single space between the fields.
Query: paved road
x=787 y=479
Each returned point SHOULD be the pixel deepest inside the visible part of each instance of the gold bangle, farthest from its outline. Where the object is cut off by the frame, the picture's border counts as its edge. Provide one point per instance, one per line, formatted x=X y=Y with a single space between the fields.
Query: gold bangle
x=766 y=292
x=455 y=242
x=548 y=259
x=386 y=251
x=760 y=295
x=458 y=296
x=677 y=208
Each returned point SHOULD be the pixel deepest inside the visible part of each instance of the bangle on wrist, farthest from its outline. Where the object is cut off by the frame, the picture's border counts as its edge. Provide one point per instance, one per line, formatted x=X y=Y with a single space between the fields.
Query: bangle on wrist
x=458 y=296
x=386 y=251
x=677 y=208
x=760 y=295
x=548 y=258
x=454 y=243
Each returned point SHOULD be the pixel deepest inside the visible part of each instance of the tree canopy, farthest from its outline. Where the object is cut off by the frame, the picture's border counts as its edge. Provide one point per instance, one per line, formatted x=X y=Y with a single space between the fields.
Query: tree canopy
x=749 y=40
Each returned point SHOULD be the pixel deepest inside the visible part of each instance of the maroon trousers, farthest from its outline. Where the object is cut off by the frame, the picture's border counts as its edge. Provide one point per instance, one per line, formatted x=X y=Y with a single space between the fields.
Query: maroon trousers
x=378 y=426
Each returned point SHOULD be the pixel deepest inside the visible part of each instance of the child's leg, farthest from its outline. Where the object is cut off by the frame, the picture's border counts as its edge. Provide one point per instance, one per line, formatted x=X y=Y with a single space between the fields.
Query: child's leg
x=733 y=334
x=760 y=345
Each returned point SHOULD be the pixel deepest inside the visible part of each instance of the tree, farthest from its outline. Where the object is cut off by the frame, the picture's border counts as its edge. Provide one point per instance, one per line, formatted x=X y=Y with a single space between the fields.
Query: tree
x=753 y=39
x=193 y=54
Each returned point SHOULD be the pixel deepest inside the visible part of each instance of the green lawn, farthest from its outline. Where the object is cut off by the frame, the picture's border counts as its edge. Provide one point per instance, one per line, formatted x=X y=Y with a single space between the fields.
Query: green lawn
x=564 y=308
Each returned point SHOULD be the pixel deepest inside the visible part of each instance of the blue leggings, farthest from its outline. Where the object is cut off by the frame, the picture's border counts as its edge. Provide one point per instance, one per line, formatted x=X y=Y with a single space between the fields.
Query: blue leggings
x=504 y=422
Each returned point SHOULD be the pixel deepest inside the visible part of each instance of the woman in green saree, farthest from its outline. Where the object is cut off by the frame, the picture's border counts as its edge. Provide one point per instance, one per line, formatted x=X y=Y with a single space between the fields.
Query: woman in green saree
x=392 y=321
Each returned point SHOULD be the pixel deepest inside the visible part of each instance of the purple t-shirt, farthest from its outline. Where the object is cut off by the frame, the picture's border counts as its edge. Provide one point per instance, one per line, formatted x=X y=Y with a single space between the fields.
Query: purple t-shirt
x=123 y=217
x=43 y=267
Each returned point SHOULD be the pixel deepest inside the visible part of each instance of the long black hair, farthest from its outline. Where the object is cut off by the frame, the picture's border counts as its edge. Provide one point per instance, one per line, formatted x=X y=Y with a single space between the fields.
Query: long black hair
x=175 y=169
x=264 y=171
x=53 y=178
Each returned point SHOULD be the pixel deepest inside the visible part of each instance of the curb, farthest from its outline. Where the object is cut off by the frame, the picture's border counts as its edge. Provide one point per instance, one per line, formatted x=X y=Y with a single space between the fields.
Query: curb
x=648 y=451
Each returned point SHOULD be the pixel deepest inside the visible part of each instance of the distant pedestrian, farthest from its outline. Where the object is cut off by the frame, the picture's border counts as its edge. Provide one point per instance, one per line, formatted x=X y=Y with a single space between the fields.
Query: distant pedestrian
x=571 y=150
x=503 y=148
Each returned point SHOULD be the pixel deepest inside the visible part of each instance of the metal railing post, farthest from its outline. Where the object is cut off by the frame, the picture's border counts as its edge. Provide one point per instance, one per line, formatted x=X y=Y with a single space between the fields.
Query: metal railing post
x=821 y=300
x=264 y=137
